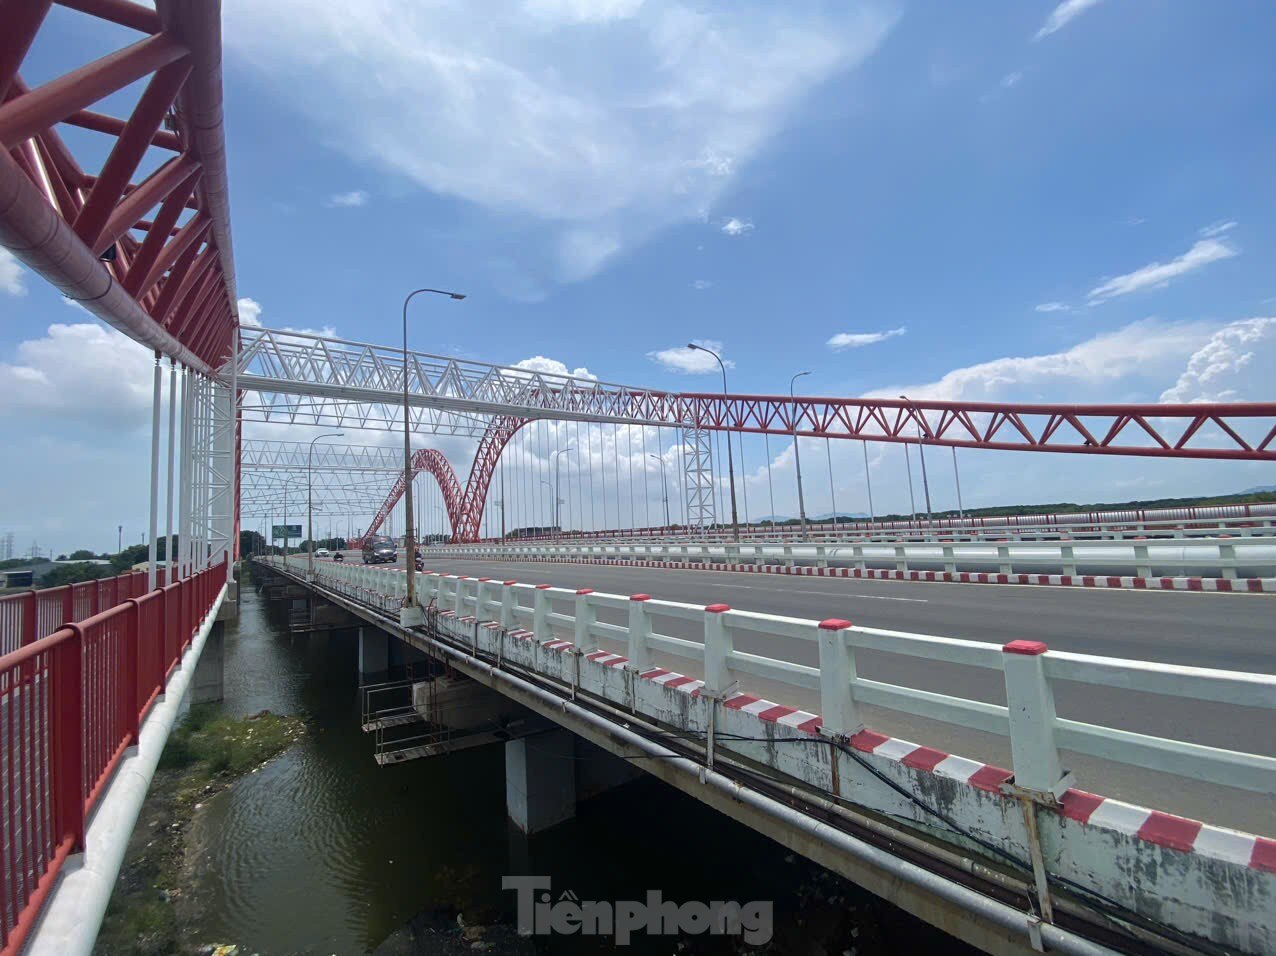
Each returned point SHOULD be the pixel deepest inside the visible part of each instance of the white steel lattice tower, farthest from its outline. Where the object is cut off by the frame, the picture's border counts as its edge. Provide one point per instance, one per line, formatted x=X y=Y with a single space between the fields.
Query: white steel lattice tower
x=698 y=477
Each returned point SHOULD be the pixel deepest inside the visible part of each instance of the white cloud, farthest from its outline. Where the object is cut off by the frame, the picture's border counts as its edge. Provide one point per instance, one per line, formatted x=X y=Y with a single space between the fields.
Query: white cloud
x=1218 y=228
x=1238 y=363
x=1011 y=79
x=249 y=312
x=1061 y=15
x=701 y=284
x=11 y=274
x=549 y=366
x=582 y=11
x=1051 y=307
x=1147 y=351
x=582 y=252
x=533 y=113
x=736 y=227
x=83 y=372
x=1157 y=274
x=856 y=340
x=690 y=361
x=356 y=197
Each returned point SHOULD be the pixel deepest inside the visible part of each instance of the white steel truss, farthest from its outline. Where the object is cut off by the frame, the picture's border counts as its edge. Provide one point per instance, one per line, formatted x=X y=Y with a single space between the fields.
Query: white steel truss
x=207 y=509
x=265 y=454
x=698 y=484
x=308 y=379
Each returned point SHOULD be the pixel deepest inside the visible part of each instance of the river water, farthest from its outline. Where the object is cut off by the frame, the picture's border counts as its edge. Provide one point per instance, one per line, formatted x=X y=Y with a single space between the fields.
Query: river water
x=323 y=851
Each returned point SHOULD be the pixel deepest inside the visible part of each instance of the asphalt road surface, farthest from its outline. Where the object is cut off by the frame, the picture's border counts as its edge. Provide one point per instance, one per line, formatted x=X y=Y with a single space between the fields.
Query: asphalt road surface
x=1227 y=631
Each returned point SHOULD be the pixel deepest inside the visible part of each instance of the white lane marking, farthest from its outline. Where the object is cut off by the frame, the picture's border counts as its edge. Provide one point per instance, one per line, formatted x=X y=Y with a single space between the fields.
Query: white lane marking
x=866 y=597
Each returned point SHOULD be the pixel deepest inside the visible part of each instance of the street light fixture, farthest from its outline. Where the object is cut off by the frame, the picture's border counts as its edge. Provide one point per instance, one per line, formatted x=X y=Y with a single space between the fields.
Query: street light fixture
x=411 y=614
x=735 y=524
x=921 y=451
x=558 y=501
x=310 y=503
x=664 y=484
x=797 y=458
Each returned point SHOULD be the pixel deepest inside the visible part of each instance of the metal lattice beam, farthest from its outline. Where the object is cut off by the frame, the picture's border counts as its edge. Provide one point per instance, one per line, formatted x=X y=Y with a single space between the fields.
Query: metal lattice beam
x=167 y=281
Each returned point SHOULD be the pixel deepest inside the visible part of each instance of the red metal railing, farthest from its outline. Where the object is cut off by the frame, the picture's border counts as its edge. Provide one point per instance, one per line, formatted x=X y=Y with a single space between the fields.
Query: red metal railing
x=70 y=705
x=29 y=614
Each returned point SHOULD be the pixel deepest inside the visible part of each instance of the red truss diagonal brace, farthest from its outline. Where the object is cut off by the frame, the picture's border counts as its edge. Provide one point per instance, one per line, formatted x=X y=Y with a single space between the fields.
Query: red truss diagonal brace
x=88 y=233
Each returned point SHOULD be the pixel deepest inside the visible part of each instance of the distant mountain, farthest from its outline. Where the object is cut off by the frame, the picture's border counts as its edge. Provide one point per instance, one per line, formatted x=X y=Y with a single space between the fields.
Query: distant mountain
x=1261 y=489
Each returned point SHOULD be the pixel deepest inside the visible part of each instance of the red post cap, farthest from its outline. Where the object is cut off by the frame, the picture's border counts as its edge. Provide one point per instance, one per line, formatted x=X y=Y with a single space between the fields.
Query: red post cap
x=640 y=597
x=484 y=580
x=509 y=582
x=543 y=587
x=1027 y=648
x=717 y=608
x=835 y=624
x=585 y=591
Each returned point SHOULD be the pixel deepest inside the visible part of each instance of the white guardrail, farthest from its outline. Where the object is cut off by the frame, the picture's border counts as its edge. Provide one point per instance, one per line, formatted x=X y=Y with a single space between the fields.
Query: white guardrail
x=1035 y=732
x=942 y=530
x=1228 y=558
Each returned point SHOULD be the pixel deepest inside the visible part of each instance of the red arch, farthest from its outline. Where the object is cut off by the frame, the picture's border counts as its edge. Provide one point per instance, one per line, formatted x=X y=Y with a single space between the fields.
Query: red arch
x=464 y=505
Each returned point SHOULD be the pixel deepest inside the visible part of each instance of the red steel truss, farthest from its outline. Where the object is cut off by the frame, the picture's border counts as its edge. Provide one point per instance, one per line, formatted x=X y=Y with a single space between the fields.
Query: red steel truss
x=1212 y=431
x=167 y=281
x=427 y=459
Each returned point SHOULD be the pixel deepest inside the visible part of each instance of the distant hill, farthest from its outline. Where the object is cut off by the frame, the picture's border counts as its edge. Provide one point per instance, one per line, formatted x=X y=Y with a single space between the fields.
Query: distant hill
x=827 y=516
x=1260 y=490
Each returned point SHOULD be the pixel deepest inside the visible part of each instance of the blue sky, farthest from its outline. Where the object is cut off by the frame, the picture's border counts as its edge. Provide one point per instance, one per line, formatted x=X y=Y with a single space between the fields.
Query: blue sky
x=1019 y=201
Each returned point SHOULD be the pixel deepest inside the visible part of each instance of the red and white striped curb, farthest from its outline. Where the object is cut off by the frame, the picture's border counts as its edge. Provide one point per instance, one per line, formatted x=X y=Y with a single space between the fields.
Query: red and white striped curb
x=1223 y=585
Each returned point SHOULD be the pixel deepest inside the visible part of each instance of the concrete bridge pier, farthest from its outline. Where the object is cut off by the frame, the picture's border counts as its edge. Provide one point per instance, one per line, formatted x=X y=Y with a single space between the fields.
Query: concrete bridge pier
x=547 y=774
x=374 y=655
x=540 y=780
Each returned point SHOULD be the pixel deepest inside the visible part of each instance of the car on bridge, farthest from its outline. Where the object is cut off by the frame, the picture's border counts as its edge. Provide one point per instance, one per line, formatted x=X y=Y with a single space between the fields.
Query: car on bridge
x=380 y=550
x=322 y=553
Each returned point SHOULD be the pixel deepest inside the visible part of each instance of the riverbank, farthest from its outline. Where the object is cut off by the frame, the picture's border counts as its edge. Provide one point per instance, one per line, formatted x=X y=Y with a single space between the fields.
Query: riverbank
x=154 y=903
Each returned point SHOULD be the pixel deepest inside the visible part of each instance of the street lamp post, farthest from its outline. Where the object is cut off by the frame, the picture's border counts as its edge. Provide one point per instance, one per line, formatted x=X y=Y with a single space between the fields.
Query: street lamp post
x=797 y=456
x=310 y=503
x=664 y=484
x=921 y=452
x=558 y=501
x=411 y=615
x=735 y=523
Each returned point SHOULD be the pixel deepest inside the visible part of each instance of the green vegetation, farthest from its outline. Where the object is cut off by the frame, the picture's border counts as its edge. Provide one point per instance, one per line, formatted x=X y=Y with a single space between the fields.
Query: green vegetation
x=74 y=574
x=152 y=904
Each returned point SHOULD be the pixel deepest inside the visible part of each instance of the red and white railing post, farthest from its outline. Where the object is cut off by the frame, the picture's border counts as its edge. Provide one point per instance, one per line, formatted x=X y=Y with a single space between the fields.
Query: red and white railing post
x=1034 y=754
x=639 y=630
x=718 y=645
x=837 y=673
x=585 y=617
x=540 y=613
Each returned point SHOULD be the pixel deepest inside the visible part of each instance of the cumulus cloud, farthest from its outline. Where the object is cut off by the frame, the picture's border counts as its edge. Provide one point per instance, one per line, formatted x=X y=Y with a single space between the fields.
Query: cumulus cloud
x=688 y=361
x=1051 y=307
x=616 y=118
x=736 y=227
x=857 y=340
x=1148 y=351
x=1238 y=363
x=549 y=366
x=249 y=312
x=356 y=197
x=1062 y=15
x=1156 y=274
x=11 y=275
x=701 y=284
x=84 y=372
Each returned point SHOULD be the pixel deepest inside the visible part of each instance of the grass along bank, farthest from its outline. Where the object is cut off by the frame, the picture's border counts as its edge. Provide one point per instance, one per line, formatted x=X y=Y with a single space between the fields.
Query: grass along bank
x=152 y=904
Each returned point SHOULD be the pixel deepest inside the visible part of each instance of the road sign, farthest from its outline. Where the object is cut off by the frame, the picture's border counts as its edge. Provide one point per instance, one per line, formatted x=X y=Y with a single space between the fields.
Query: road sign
x=285 y=531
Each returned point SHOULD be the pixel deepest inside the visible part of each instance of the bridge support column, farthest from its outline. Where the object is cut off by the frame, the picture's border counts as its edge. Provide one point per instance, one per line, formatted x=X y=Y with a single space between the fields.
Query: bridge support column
x=207 y=681
x=540 y=780
x=374 y=655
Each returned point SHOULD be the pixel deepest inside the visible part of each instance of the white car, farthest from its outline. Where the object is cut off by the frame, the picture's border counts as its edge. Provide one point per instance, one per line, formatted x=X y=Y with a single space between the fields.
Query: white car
x=322 y=553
